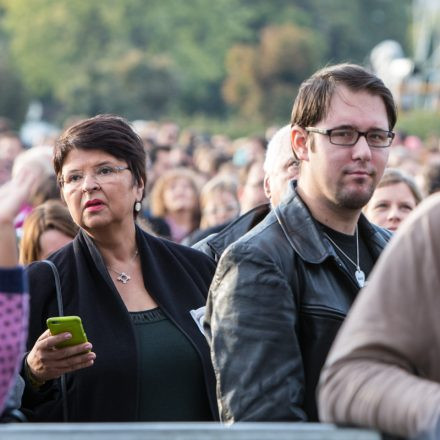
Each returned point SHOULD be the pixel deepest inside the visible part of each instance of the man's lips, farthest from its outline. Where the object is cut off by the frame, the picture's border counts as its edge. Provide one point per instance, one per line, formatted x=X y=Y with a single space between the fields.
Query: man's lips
x=359 y=173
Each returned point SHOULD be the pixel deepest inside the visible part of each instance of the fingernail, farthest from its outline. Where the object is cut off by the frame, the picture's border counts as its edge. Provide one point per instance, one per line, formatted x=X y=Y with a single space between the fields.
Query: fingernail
x=88 y=346
x=67 y=336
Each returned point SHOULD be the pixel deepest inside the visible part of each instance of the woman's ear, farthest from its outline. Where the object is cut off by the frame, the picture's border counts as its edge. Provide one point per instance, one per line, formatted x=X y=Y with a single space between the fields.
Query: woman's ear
x=140 y=190
x=299 y=143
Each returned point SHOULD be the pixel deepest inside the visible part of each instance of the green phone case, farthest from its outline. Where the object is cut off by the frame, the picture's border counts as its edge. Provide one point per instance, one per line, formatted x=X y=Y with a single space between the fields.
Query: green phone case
x=71 y=324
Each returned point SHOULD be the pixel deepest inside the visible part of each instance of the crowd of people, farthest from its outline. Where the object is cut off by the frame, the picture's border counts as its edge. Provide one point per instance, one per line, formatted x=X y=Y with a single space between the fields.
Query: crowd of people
x=212 y=275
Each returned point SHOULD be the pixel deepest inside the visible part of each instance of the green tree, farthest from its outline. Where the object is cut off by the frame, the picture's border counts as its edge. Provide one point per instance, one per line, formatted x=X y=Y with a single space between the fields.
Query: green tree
x=262 y=80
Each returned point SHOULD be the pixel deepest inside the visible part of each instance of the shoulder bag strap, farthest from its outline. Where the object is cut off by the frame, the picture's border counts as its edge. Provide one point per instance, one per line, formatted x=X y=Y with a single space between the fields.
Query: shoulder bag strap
x=60 y=313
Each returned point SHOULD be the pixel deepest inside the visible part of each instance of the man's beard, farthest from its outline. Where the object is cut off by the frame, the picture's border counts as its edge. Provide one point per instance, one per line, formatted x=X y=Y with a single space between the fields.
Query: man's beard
x=354 y=199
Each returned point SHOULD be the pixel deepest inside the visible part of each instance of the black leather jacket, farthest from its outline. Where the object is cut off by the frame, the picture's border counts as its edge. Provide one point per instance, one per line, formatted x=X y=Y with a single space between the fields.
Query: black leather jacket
x=214 y=244
x=276 y=302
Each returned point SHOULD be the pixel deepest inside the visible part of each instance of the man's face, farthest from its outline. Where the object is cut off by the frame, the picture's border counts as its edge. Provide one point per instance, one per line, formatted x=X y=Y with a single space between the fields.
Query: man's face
x=338 y=176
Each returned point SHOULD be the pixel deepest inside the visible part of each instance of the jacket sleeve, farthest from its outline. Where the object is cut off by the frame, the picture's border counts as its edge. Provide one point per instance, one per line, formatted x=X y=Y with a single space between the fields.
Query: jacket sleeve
x=383 y=371
x=250 y=325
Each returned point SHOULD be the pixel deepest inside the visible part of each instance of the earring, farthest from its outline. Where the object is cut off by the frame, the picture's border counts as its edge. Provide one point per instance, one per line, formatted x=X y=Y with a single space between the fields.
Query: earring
x=137 y=206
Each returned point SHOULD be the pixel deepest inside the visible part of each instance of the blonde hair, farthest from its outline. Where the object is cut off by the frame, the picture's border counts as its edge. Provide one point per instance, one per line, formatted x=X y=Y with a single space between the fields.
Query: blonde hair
x=49 y=215
x=218 y=184
x=157 y=202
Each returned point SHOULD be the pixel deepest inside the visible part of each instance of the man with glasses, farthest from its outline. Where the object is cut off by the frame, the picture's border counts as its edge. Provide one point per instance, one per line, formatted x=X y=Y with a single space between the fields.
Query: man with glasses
x=282 y=291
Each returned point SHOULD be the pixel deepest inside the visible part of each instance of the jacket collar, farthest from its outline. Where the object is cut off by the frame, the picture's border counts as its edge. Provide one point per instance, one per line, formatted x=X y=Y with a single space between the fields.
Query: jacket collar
x=305 y=237
x=235 y=230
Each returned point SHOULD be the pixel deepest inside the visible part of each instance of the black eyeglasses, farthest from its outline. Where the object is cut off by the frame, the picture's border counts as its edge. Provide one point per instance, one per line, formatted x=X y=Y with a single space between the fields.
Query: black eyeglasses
x=347 y=137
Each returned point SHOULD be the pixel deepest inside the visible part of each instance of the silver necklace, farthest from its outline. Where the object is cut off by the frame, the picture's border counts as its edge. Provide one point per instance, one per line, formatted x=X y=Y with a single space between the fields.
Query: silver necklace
x=124 y=277
x=359 y=274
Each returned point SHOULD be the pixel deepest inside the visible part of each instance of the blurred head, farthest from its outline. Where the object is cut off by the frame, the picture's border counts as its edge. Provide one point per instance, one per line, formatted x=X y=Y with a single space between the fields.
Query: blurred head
x=280 y=165
x=104 y=140
x=47 y=228
x=395 y=197
x=10 y=145
x=218 y=202
x=251 y=192
x=176 y=190
x=431 y=177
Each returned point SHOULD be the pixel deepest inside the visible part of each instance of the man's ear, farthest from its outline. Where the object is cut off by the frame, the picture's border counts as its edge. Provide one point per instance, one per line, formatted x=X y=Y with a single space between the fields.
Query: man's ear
x=267 y=186
x=299 y=143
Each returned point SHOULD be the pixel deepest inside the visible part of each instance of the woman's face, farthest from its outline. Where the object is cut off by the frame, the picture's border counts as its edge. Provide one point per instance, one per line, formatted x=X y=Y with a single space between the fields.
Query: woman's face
x=98 y=189
x=390 y=205
x=221 y=207
x=179 y=195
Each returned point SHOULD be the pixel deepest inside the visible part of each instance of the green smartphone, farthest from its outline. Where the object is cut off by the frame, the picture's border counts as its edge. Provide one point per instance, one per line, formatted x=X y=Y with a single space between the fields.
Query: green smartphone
x=71 y=324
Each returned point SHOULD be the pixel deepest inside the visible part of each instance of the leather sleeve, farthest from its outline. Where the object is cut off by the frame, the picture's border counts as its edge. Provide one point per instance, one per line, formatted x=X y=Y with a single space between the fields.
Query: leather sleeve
x=250 y=324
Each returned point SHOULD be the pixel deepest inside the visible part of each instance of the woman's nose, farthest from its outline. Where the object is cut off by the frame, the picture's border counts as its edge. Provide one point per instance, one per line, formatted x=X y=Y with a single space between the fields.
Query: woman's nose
x=90 y=183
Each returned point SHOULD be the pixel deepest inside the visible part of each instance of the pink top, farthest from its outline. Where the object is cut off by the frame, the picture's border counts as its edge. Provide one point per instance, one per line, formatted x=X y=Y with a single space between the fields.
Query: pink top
x=14 y=312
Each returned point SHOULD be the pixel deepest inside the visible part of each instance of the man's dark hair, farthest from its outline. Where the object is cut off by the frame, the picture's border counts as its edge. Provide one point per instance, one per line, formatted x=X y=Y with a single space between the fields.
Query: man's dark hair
x=314 y=96
x=109 y=133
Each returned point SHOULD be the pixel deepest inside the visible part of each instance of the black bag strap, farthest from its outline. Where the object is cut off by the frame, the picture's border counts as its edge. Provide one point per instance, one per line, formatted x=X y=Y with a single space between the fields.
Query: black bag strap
x=60 y=313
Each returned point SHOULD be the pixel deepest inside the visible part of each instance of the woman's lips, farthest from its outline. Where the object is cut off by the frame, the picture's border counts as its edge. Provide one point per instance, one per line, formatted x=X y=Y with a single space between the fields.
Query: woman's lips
x=94 y=205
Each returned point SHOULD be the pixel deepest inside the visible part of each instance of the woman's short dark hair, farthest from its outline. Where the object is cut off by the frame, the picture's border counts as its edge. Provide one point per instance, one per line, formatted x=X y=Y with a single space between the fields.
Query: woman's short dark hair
x=314 y=96
x=109 y=133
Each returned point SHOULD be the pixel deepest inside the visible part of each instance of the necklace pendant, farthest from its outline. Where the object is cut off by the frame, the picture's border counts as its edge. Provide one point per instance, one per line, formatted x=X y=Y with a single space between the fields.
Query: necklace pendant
x=360 y=277
x=123 y=278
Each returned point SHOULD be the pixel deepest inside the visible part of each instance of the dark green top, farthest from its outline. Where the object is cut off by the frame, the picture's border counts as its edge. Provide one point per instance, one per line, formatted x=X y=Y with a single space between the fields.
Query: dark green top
x=172 y=387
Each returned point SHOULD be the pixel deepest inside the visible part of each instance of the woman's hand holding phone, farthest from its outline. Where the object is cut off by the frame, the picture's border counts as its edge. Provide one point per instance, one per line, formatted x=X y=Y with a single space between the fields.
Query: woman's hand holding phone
x=46 y=361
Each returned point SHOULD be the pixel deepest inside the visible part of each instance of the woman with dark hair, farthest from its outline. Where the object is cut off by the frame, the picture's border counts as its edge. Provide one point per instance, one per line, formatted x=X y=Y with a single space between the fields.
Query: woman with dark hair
x=146 y=359
x=46 y=229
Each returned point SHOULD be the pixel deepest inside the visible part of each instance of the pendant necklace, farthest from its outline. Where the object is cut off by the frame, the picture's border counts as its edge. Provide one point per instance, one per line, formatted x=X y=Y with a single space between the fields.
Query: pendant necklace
x=359 y=274
x=124 y=277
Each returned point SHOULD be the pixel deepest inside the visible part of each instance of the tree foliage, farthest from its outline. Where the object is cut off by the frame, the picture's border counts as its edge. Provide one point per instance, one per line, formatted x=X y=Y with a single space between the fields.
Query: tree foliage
x=150 y=58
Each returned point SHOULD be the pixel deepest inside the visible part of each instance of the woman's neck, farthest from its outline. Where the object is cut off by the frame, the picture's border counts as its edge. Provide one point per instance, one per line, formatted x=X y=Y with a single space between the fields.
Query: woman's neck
x=118 y=244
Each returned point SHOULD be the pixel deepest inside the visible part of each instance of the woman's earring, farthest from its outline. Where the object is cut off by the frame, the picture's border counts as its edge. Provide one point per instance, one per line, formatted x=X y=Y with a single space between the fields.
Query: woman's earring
x=137 y=206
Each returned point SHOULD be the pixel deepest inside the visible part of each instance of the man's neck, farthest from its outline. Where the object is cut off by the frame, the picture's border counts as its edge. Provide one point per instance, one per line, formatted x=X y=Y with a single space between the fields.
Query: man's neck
x=337 y=218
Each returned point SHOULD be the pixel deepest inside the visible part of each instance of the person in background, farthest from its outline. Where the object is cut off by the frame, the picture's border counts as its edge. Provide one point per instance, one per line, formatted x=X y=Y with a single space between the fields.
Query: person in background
x=37 y=158
x=46 y=229
x=14 y=298
x=395 y=196
x=219 y=205
x=383 y=371
x=219 y=202
x=251 y=190
x=281 y=292
x=175 y=199
x=280 y=167
x=146 y=359
x=431 y=177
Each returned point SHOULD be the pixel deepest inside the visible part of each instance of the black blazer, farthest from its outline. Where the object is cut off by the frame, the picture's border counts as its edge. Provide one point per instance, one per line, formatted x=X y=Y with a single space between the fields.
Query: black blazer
x=177 y=277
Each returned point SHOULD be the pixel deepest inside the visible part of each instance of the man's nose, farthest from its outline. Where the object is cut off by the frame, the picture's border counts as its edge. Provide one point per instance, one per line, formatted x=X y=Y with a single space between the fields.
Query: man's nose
x=361 y=150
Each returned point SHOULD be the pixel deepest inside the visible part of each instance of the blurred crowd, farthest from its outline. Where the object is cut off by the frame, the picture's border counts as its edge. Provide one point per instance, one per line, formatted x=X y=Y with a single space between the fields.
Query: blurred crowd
x=197 y=182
